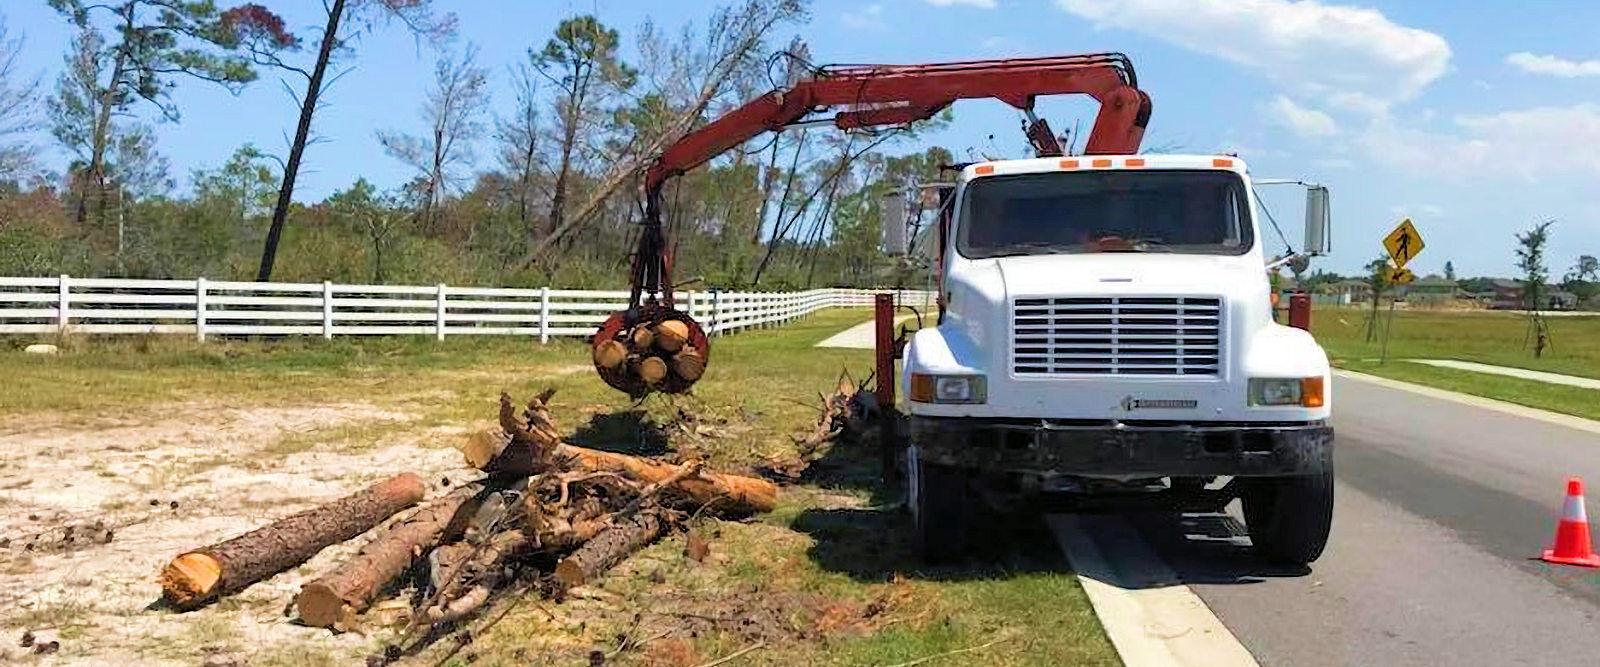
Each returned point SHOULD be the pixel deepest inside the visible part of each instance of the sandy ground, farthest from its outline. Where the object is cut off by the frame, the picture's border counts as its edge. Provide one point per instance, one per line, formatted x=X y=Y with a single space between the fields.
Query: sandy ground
x=174 y=478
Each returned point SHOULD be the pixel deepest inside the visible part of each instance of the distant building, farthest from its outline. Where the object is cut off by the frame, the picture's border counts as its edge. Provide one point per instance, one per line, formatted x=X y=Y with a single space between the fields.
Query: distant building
x=1510 y=295
x=1432 y=288
x=1506 y=295
x=1352 y=290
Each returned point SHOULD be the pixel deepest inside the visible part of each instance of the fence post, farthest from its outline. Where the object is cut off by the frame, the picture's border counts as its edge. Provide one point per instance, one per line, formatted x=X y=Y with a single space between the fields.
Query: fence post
x=716 y=312
x=200 y=309
x=688 y=301
x=327 y=310
x=62 y=307
x=438 y=327
x=544 y=314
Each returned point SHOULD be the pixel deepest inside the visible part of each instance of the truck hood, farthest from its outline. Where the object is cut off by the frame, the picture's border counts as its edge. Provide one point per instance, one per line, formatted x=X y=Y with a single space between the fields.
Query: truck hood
x=1118 y=273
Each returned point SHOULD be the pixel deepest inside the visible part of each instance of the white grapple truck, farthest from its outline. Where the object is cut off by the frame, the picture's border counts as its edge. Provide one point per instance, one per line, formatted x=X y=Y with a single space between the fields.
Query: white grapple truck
x=1107 y=329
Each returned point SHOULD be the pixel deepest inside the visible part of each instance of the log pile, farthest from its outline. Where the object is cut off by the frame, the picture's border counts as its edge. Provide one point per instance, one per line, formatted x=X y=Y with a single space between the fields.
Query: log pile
x=546 y=513
x=657 y=353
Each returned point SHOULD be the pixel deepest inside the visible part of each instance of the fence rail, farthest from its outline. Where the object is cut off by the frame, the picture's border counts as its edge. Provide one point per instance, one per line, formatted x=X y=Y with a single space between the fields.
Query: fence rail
x=204 y=308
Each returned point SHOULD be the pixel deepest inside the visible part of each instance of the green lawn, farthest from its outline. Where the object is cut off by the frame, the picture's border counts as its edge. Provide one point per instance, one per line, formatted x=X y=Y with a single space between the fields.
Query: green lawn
x=1497 y=338
x=827 y=579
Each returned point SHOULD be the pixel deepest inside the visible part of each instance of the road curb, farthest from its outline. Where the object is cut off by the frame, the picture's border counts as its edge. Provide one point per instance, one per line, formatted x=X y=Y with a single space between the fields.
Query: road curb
x=1546 y=416
x=1152 y=619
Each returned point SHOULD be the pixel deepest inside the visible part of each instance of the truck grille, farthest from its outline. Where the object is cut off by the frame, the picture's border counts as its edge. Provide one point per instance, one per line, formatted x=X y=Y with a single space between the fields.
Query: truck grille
x=1117 y=336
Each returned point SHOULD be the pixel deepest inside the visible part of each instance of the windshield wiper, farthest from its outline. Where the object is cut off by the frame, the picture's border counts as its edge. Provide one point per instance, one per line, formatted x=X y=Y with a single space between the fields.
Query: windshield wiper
x=1027 y=248
x=1133 y=245
x=1151 y=245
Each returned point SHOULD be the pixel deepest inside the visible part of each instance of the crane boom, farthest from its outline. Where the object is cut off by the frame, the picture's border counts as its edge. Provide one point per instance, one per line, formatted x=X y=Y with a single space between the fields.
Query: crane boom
x=861 y=96
x=899 y=94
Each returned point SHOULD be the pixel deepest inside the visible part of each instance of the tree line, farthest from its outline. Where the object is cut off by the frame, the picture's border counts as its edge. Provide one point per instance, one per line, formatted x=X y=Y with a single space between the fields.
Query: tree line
x=545 y=191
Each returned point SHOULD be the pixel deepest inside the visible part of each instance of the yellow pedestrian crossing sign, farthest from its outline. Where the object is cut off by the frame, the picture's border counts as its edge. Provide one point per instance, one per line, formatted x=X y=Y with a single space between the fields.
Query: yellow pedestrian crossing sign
x=1403 y=243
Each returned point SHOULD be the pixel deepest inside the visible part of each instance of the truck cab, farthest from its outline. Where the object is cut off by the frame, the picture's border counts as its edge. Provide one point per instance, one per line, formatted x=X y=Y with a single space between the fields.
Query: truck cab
x=1106 y=324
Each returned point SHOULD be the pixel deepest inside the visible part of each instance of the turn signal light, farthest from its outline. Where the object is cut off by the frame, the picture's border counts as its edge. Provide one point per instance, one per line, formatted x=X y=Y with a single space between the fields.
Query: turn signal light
x=948 y=389
x=1311 y=395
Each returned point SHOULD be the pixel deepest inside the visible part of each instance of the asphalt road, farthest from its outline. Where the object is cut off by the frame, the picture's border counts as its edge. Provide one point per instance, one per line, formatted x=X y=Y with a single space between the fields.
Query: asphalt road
x=1440 y=508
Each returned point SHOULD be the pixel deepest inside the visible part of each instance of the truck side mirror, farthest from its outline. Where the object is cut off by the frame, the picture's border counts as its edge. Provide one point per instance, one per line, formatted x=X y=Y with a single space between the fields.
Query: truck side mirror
x=1317 y=220
x=893 y=207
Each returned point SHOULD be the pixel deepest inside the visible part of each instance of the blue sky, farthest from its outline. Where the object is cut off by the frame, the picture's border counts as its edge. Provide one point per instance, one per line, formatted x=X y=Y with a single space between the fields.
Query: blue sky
x=1474 y=119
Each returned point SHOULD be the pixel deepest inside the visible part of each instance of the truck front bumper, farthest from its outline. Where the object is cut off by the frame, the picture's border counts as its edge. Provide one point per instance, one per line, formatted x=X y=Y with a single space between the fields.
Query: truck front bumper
x=1123 y=449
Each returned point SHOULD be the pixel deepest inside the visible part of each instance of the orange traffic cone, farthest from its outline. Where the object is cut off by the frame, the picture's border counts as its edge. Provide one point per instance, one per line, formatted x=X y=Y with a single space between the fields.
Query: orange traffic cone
x=1572 y=534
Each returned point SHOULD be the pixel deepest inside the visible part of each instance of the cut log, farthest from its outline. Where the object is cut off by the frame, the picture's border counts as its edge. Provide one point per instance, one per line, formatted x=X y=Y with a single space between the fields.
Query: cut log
x=349 y=588
x=608 y=548
x=490 y=449
x=652 y=370
x=689 y=364
x=733 y=494
x=460 y=593
x=197 y=577
x=610 y=354
x=464 y=605
x=642 y=339
x=671 y=335
x=482 y=446
x=523 y=454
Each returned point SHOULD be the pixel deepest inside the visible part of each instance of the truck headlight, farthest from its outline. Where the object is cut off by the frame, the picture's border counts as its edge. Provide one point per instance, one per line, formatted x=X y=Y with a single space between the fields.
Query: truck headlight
x=948 y=388
x=1304 y=392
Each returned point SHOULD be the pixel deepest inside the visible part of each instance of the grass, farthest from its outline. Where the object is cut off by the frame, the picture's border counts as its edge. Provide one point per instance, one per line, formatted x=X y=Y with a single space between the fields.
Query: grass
x=825 y=580
x=1497 y=338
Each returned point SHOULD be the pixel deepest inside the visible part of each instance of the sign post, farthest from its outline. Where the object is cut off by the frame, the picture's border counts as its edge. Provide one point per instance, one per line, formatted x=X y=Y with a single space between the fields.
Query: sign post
x=1402 y=244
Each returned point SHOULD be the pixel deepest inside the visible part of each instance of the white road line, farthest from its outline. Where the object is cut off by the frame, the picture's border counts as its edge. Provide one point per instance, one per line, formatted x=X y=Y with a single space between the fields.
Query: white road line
x=1523 y=373
x=1546 y=416
x=1151 y=617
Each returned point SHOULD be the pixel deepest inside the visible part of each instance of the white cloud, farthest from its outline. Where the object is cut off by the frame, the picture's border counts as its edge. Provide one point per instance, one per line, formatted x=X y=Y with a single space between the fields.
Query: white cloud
x=1004 y=46
x=1533 y=144
x=981 y=4
x=1352 y=57
x=1553 y=66
x=1303 y=121
x=1416 y=210
x=869 y=17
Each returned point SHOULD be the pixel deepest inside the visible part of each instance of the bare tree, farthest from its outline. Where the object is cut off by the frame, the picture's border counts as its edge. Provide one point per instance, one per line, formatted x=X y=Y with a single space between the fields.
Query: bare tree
x=690 y=74
x=583 y=65
x=453 y=113
x=18 y=110
x=114 y=157
x=518 y=134
x=345 y=22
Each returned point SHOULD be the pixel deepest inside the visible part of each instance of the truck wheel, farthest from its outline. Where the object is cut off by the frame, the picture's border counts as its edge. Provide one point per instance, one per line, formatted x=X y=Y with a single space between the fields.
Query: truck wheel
x=1289 y=517
x=939 y=507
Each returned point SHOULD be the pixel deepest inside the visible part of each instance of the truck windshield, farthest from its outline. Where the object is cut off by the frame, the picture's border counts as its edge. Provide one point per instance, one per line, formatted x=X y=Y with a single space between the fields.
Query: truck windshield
x=1177 y=211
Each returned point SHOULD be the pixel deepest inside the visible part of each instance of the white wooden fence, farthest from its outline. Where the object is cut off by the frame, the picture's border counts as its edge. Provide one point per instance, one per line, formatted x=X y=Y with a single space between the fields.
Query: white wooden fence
x=204 y=308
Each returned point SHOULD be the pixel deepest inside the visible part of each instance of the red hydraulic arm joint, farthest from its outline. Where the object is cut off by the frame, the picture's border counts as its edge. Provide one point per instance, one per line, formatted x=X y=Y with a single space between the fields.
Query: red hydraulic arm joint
x=862 y=96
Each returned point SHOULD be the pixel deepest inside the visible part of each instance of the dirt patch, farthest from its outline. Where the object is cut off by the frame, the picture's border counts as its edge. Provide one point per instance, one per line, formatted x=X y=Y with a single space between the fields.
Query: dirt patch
x=90 y=512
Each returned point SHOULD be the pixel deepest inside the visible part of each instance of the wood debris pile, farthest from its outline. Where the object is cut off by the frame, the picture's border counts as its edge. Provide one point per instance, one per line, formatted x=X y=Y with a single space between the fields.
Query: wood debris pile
x=849 y=415
x=546 y=515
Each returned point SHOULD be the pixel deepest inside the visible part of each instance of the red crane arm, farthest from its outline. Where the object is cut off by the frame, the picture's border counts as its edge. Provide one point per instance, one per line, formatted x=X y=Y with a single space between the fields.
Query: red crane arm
x=876 y=95
x=900 y=94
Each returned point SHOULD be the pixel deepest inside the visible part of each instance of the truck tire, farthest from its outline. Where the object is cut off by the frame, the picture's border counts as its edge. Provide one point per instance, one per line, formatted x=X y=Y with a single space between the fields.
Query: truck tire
x=939 y=509
x=1289 y=517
